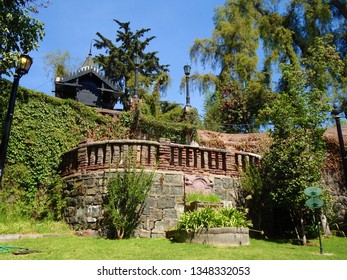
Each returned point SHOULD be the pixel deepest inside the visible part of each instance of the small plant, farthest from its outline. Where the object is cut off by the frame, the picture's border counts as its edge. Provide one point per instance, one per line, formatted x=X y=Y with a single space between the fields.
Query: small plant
x=202 y=197
x=208 y=217
x=127 y=192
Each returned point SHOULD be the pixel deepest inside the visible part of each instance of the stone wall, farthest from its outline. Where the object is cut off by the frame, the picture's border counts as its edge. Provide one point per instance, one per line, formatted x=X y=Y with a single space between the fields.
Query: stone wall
x=85 y=194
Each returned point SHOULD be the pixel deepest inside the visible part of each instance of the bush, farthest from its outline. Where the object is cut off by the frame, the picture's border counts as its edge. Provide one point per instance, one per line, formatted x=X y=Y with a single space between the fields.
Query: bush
x=127 y=192
x=207 y=218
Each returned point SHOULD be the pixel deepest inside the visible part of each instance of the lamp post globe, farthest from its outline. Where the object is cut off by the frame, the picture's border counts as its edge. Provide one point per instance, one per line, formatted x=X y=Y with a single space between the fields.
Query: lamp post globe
x=23 y=65
x=187 y=69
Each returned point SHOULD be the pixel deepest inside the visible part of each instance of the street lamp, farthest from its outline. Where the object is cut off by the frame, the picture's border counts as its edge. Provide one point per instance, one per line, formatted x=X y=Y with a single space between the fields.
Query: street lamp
x=336 y=112
x=23 y=66
x=186 y=69
x=137 y=62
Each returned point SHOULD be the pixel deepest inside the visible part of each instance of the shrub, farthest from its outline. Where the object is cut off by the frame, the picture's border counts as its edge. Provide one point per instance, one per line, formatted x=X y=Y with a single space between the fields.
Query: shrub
x=127 y=192
x=208 y=217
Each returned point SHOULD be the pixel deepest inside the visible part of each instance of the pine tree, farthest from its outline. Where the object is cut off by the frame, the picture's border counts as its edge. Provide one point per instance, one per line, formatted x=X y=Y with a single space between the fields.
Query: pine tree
x=118 y=61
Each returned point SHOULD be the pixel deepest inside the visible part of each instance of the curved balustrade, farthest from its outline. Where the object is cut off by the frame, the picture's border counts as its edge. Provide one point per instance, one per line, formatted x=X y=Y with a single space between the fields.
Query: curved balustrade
x=97 y=156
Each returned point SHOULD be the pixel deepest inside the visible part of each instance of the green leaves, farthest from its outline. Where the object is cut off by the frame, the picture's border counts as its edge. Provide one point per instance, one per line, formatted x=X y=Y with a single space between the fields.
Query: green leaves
x=127 y=192
x=118 y=62
x=200 y=196
x=19 y=33
x=43 y=129
x=208 y=217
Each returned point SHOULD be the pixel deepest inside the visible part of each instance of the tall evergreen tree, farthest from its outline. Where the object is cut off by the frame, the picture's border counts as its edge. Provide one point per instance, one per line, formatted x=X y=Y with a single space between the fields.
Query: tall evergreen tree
x=118 y=62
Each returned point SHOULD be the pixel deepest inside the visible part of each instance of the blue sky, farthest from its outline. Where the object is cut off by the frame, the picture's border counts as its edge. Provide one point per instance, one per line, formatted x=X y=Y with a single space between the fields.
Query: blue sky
x=71 y=25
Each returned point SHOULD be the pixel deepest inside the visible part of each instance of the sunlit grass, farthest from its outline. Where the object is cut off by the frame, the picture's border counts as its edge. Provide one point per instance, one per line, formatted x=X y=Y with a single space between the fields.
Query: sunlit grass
x=83 y=248
x=71 y=247
x=13 y=225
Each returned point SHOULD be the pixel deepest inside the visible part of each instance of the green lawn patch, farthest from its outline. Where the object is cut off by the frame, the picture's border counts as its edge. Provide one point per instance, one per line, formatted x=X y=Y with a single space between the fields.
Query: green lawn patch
x=26 y=226
x=87 y=248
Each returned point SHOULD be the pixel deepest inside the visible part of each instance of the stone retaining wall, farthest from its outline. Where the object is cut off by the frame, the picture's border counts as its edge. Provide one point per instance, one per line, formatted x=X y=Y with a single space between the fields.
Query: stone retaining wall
x=86 y=193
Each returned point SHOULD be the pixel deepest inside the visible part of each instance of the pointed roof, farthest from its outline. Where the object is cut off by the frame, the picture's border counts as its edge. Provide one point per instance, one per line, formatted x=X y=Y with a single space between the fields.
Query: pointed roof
x=89 y=62
x=89 y=66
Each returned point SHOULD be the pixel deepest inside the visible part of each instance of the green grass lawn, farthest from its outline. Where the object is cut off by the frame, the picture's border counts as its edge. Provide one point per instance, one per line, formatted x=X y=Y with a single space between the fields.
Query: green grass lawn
x=87 y=248
x=72 y=247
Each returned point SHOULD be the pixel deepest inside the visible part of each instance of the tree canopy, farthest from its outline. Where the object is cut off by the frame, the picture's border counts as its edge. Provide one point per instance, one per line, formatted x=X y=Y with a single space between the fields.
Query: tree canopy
x=282 y=32
x=295 y=158
x=118 y=61
x=19 y=31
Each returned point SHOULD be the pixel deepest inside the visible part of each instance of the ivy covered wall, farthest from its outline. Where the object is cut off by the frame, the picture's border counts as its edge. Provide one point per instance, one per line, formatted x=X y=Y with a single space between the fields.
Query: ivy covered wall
x=45 y=127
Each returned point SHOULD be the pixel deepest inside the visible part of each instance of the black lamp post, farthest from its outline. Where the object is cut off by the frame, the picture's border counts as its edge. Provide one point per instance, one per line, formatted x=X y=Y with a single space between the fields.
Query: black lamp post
x=23 y=66
x=336 y=112
x=137 y=62
x=186 y=69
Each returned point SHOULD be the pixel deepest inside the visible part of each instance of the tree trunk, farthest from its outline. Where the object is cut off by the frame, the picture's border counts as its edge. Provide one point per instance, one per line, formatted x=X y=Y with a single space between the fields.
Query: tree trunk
x=294 y=225
x=302 y=223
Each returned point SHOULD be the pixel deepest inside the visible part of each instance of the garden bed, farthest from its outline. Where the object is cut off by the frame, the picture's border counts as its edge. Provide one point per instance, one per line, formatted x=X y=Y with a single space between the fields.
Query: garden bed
x=220 y=236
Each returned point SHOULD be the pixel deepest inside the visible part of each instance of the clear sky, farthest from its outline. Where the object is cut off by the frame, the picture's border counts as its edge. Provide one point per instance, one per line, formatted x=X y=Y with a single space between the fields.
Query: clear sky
x=72 y=25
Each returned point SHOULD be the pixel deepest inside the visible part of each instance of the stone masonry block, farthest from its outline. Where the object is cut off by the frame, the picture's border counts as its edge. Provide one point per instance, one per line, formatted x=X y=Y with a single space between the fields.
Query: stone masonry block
x=155 y=214
x=166 y=203
x=173 y=179
x=170 y=213
x=161 y=226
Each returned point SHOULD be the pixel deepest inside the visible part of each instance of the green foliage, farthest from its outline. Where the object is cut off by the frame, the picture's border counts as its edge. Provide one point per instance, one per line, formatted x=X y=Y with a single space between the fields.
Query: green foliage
x=19 y=31
x=296 y=155
x=208 y=217
x=213 y=117
x=43 y=129
x=127 y=192
x=157 y=128
x=163 y=119
x=244 y=83
x=256 y=199
x=200 y=196
x=15 y=224
x=57 y=64
x=118 y=63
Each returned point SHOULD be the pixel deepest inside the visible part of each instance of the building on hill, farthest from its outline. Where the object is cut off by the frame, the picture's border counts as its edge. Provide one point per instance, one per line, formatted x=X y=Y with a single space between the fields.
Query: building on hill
x=88 y=86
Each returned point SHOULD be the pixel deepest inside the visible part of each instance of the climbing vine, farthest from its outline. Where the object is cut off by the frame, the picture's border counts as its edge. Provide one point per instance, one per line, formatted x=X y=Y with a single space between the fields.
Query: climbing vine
x=43 y=129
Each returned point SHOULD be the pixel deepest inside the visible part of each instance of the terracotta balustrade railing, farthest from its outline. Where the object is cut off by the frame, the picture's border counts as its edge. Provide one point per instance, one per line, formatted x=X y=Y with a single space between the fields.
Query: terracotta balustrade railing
x=163 y=155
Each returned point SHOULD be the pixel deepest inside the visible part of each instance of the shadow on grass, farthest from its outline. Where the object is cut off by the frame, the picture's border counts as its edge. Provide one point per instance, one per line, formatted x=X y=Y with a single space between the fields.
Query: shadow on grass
x=280 y=240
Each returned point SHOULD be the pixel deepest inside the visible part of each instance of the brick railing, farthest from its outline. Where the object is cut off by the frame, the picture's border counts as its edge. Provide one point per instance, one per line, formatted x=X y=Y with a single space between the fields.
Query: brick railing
x=97 y=156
